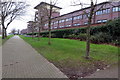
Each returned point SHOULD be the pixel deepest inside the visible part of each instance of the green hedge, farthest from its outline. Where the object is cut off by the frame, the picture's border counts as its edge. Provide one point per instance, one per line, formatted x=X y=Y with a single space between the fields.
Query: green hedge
x=110 y=32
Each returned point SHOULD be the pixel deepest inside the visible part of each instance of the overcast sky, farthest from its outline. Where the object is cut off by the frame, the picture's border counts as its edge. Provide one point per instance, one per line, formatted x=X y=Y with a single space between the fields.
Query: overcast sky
x=21 y=23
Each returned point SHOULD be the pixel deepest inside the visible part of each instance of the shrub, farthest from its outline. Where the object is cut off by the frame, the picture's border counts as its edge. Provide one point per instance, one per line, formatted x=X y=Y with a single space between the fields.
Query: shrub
x=117 y=43
x=72 y=36
x=82 y=36
x=101 y=38
x=110 y=32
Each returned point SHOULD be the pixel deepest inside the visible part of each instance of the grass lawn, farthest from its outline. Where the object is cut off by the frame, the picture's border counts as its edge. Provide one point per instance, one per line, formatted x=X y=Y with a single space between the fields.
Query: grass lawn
x=2 y=41
x=68 y=55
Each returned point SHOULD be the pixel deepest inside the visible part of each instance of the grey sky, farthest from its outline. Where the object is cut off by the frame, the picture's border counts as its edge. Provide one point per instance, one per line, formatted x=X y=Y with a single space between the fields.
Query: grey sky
x=21 y=23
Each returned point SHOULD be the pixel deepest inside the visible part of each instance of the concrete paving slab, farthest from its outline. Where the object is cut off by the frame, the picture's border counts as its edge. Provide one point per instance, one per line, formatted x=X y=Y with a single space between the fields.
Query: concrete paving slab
x=20 y=60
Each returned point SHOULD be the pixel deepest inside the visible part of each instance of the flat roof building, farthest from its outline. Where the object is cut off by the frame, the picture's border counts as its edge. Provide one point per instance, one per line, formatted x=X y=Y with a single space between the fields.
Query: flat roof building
x=104 y=11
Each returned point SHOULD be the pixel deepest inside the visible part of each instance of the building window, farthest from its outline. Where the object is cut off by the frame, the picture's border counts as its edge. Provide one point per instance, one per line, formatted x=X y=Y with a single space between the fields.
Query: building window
x=85 y=15
x=119 y=8
x=68 y=25
x=105 y=20
x=85 y=23
x=99 y=21
x=105 y=11
x=55 y=27
x=115 y=9
x=108 y=10
x=78 y=17
x=68 y=19
x=98 y=12
x=46 y=24
x=52 y=23
x=62 y=20
x=77 y=24
x=75 y=18
x=61 y=26
x=56 y=22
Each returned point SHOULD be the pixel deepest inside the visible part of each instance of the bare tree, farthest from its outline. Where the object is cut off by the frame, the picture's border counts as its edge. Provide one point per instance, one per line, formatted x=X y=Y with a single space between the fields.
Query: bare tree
x=33 y=28
x=90 y=14
x=49 y=12
x=10 y=10
x=13 y=31
x=40 y=21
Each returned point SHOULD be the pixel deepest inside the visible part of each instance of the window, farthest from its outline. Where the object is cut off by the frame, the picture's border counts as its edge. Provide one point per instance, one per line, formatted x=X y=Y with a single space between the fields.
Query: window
x=52 y=23
x=68 y=19
x=77 y=24
x=85 y=15
x=119 y=8
x=108 y=10
x=46 y=24
x=105 y=11
x=78 y=17
x=99 y=21
x=62 y=20
x=85 y=23
x=75 y=18
x=55 y=27
x=105 y=20
x=61 y=26
x=98 y=12
x=68 y=25
x=115 y=9
x=56 y=22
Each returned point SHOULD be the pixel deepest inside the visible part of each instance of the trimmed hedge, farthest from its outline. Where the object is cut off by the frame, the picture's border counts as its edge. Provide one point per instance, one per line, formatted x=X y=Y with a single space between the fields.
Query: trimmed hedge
x=108 y=33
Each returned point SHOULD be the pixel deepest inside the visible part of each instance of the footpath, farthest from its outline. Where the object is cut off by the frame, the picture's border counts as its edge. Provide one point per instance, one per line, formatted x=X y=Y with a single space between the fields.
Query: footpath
x=20 y=60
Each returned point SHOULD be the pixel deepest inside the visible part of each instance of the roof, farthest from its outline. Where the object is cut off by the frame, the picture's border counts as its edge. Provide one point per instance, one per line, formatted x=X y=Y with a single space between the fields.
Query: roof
x=46 y=4
x=82 y=9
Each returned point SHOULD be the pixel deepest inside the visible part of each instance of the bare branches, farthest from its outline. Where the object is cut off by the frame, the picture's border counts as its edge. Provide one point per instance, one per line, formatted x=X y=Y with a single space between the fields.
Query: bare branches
x=10 y=10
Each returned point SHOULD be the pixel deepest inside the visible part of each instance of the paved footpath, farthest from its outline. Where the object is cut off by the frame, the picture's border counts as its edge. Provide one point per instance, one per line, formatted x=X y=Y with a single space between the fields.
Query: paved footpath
x=111 y=72
x=20 y=60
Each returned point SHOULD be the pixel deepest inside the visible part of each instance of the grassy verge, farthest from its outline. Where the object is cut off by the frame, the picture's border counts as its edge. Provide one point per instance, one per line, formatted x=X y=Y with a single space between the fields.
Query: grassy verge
x=2 y=41
x=68 y=55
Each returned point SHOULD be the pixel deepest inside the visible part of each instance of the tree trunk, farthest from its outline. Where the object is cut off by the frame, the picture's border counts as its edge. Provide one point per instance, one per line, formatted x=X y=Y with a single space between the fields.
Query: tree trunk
x=49 y=26
x=32 y=34
x=88 y=30
x=49 y=41
x=5 y=32
x=88 y=42
x=39 y=34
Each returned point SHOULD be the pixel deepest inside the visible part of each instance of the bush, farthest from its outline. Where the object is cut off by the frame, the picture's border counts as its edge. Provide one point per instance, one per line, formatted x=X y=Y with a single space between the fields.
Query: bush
x=72 y=36
x=110 y=32
x=82 y=36
x=101 y=38
x=117 y=43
